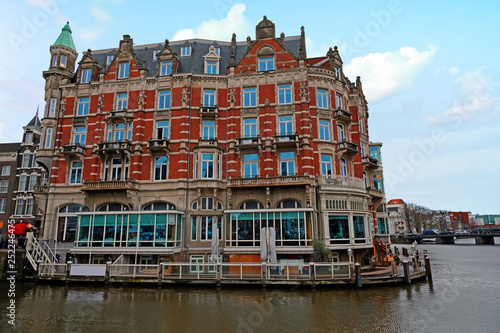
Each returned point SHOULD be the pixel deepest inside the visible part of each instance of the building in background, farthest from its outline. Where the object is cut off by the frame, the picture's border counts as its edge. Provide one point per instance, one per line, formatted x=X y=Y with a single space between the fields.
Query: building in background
x=397 y=216
x=8 y=167
x=459 y=221
x=487 y=221
x=201 y=150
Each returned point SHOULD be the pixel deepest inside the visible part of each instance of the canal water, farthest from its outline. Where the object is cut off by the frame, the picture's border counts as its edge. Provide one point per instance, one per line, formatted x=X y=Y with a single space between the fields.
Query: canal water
x=464 y=296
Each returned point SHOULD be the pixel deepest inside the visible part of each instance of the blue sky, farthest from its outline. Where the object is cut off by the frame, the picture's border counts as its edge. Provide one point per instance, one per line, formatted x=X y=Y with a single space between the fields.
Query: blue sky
x=429 y=70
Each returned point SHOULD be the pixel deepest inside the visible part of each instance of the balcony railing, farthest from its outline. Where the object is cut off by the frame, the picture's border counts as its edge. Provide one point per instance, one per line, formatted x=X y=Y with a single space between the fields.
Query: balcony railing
x=370 y=162
x=375 y=193
x=208 y=111
x=73 y=150
x=208 y=142
x=158 y=144
x=286 y=140
x=249 y=142
x=347 y=148
x=41 y=188
x=120 y=114
x=117 y=147
x=271 y=181
x=108 y=185
x=342 y=115
x=341 y=181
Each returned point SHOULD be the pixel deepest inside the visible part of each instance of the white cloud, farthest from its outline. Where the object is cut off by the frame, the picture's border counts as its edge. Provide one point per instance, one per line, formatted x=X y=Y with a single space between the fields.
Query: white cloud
x=475 y=90
x=235 y=21
x=454 y=70
x=102 y=20
x=385 y=74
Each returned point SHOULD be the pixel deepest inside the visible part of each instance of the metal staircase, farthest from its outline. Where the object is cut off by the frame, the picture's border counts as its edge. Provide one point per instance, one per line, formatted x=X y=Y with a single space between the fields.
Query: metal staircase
x=39 y=252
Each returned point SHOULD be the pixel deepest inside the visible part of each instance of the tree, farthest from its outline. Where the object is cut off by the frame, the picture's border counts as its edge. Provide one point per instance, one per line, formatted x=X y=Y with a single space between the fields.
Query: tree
x=418 y=217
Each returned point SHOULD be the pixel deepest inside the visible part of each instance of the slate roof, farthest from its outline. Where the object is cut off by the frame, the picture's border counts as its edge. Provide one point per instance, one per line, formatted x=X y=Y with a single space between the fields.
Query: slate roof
x=195 y=63
x=35 y=122
x=10 y=147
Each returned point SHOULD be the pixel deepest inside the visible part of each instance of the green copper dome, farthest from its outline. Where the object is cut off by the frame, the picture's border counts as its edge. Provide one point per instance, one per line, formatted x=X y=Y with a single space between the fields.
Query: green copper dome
x=65 y=38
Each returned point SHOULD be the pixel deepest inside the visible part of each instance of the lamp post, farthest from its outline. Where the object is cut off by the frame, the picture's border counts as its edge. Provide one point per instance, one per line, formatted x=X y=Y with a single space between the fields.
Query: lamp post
x=350 y=254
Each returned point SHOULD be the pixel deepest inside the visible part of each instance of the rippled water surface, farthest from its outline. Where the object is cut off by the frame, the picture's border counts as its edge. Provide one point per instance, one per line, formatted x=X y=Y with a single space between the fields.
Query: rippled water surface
x=463 y=297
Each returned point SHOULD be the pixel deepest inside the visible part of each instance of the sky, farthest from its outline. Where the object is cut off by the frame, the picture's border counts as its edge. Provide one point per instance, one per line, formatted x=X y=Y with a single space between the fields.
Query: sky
x=429 y=70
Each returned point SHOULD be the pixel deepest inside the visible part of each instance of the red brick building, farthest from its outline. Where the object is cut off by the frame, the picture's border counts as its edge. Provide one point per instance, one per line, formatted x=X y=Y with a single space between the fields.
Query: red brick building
x=197 y=149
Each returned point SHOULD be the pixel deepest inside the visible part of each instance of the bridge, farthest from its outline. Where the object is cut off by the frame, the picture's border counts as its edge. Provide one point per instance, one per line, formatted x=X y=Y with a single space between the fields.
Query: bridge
x=481 y=239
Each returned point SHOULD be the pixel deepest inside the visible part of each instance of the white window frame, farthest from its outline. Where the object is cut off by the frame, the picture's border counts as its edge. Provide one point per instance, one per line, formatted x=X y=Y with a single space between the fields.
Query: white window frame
x=52 y=107
x=165 y=68
x=341 y=132
x=32 y=181
x=196 y=259
x=123 y=70
x=4 y=186
x=266 y=64
x=121 y=101
x=19 y=209
x=26 y=159
x=63 y=60
x=164 y=99
x=289 y=163
x=109 y=59
x=86 y=76
x=251 y=164
x=285 y=91
x=250 y=97
x=163 y=129
x=76 y=172
x=185 y=51
x=208 y=129
x=326 y=166
x=206 y=162
x=338 y=101
x=29 y=207
x=250 y=128
x=80 y=135
x=207 y=203
x=28 y=139
x=324 y=129
x=83 y=106
x=322 y=98
x=162 y=166
x=3 y=205
x=6 y=169
x=48 y=137
x=285 y=124
x=209 y=97
x=23 y=182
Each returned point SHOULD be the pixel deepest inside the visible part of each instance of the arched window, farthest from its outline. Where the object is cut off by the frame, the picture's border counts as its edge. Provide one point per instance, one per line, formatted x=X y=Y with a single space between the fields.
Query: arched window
x=289 y=204
x=251 y=205
x=265 y=59
x=160 y=206
x=113 y=207
x=68 y=221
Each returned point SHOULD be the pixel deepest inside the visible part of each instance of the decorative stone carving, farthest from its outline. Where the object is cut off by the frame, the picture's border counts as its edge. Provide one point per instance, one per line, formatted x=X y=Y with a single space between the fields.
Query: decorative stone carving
x=184 y=97
x=62 y=109
x=304 y=96
x=142 y=97
x=232 y=93
x=100 y=103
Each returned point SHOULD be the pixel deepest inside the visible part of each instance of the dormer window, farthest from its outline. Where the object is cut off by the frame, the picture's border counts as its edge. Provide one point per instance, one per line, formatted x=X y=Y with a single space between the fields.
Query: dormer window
x=266 y=64
x=217 y=50
x=109 y=59
x=155 y=54
x=212 y=61
x=185 y=51
x=123 y=70
x=62 y=62
x=211 y=67
x=86 y=75
x=165 y=68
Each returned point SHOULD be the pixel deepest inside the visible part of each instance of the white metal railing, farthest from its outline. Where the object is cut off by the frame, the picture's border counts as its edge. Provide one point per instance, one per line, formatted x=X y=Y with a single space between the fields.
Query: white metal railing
x=332 y=271
x=134 y=270
x=288 y=272
x=39 y=252
x=52 y=269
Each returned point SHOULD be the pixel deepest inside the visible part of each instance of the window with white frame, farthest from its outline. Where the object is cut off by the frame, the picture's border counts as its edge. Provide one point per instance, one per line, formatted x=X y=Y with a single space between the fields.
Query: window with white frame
x=209 y=97
x=217 y=50
x=109 y=59
x=365 y=180
x=208 y=129
x=76 y=172
x=68 y=222
x=324 y=130
x=33 y=181
x=6 y=170
x=118 y=169
x=196 y=263
x=86 y=75
x=185 y=51
x=119 y=132
x=211 y=67
x=19 y=210
x=123 y=70
x=250 y=128
x=164 y=99
x=161 y=167
x=52 y=107
x=165 y=68
x=162 y=129
x=285 y=94
x=80 y=133
x=322 y=98
x=338 y=101
x=155 y=54
x=361 y=125
x=266 y=64
x=207 y=166
x=3 y=203
x=340 y=129
x=28 y=139
x=29 y=206
x=287 y=162
x=26 y=159
x=23 y=181
x=62 y=62
x=121 y=101
x=343 y=169
x=337 y=73
x=285 y=125
x=35 y=163
x=4 y=186
x=83 y=106
x=48 y=138
x=249 y=97
x=326 y=165
x=250 y=165
x=55 y=58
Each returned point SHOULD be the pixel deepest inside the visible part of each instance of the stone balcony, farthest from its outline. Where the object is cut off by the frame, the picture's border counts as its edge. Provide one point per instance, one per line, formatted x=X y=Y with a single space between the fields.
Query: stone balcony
x=347 y=148
x=73 y=151
x=158 y=145
x=337 y=181
x=342 y=115
x=121 y=115
x=113 y=148
x=108 y=185
x=208 y=112
x=249 y=143
x=271 y=181
x=286 y=140
x=370 y=163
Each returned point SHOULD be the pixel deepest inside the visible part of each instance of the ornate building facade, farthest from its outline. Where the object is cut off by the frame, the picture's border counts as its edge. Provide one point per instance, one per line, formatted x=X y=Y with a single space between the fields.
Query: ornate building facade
x=199 y=150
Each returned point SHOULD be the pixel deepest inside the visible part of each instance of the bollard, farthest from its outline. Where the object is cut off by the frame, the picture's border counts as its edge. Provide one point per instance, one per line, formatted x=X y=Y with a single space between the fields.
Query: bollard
x=394 y=268
x=406 y=270
x=428 y=272
x=357 y=270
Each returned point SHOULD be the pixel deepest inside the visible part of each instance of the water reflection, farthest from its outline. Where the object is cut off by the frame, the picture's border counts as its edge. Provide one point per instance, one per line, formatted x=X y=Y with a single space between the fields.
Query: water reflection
x=463 y=297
